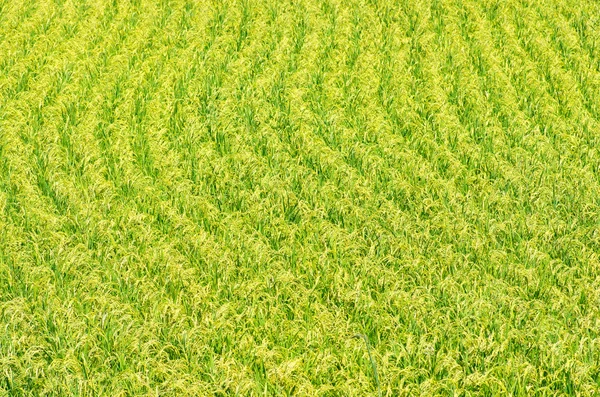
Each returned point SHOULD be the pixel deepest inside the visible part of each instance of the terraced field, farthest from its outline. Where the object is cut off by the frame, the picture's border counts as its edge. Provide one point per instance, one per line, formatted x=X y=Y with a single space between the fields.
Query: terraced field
x=309 y=198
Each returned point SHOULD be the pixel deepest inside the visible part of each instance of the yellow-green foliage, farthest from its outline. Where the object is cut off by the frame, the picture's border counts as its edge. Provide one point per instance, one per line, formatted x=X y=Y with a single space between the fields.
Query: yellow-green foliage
x=216 y=198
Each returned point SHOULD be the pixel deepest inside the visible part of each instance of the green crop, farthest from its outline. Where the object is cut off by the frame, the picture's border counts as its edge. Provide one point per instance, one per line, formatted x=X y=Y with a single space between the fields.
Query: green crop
x=308 y=198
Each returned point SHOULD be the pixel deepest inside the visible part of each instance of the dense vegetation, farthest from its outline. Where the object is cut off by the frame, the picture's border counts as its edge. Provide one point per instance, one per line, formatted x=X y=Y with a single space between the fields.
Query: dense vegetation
x=291 y=197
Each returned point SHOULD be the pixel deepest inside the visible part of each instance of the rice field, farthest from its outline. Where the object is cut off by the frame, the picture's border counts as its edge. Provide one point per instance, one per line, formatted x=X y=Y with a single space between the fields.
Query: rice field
x=299 y=198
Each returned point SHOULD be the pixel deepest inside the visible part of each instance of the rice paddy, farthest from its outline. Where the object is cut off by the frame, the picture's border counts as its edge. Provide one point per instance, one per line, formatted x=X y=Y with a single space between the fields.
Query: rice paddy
x=299 y=198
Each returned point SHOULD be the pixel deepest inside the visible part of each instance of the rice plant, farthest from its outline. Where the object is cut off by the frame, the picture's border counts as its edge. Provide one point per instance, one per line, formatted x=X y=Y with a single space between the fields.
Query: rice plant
x=307 y=198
